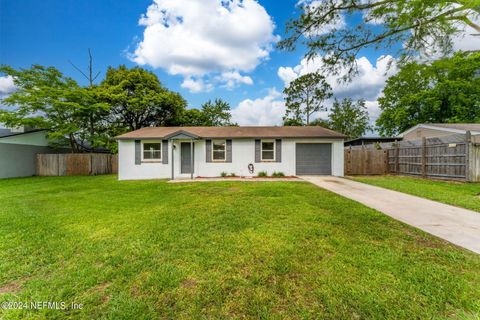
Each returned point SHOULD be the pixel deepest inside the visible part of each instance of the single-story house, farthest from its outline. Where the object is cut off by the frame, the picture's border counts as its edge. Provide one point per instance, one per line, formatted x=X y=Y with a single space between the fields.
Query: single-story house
x=187 y=152
x=434 y=130
x=18 y=150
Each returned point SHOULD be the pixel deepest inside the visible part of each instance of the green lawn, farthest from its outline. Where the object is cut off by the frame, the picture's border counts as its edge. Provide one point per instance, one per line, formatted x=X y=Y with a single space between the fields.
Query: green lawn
x=466 y=195
x=272 y=250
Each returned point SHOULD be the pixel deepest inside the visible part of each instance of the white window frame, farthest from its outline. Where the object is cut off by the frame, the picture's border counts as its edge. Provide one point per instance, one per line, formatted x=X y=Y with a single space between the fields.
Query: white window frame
x=225 y=151
x=274 y=150
x=143 y=150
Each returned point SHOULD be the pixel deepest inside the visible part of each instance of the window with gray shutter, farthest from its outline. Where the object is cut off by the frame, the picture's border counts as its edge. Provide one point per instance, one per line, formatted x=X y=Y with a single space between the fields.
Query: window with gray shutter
x=208 y=150
x=138 y=152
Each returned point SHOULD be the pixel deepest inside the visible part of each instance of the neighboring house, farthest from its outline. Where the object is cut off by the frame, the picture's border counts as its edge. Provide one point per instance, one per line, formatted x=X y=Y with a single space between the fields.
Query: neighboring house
x=187 y=152
x=365 y=141
x=18 y=150
x=433 y=130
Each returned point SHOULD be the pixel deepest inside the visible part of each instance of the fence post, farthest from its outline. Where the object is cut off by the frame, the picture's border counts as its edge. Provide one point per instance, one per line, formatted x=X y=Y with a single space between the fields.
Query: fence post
x=386 y=161
x=468 y=156
x=424 y=157
x=397 y=155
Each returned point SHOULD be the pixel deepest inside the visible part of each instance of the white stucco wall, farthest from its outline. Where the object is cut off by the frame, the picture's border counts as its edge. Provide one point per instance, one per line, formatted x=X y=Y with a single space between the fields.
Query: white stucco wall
x=243 y=153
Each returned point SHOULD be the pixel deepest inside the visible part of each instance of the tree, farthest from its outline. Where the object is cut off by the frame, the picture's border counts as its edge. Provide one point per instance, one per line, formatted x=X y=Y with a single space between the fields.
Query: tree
x=350 y=118
x=212 y=114
x=216 y=113
x=410 y=26
x=447 y=90
x=94 y=128
x=138 y=99
x=46 y=99
x=304 y=96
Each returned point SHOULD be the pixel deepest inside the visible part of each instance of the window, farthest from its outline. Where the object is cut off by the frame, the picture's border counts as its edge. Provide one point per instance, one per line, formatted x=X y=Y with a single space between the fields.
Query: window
x=268 y=150
x=152 y=151
x=219 y=150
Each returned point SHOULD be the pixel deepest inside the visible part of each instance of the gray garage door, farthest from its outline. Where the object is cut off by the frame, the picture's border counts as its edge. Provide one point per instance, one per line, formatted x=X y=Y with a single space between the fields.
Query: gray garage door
x=314 y=158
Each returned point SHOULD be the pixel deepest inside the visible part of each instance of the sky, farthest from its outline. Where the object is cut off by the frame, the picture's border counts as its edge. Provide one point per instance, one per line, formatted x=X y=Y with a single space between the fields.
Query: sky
x=204 y=49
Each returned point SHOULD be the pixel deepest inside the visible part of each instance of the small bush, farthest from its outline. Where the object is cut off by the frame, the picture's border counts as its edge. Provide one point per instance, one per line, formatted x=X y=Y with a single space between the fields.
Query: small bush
x=278 y=174
x=263 y=174
x=223 y=174
x=233 y=174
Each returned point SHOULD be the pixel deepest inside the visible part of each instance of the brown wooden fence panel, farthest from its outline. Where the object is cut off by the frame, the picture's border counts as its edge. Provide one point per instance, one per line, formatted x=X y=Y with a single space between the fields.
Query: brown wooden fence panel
x=430 y=160
x=115 y=163
x=365 y=162
x=76 y=164
x=47 y=164
x=101 y=164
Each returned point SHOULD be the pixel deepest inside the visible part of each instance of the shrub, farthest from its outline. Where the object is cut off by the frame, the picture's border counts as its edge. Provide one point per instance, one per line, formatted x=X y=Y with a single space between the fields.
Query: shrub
x=223 y=174
x=233 y=174
x=278 y=174
x=263 y=174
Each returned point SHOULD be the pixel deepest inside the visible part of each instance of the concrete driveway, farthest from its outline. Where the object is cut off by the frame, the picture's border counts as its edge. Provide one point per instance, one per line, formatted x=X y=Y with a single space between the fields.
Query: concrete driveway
x=456 y=225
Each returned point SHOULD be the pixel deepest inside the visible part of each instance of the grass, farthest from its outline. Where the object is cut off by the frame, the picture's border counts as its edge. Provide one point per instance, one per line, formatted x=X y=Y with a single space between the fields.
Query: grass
x=271 y=250
x=465 y=195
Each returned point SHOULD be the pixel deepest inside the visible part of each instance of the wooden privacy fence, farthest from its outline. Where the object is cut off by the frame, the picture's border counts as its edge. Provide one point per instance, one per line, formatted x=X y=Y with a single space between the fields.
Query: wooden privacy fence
x=455 y=157
x=366 y=162
x=446 y=161
x=76 y=164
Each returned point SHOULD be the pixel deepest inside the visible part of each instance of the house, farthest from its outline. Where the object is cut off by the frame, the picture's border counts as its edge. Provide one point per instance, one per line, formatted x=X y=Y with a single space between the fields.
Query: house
x=18 y=150
x=365 y=141
x=434 y=130
x=187 y=152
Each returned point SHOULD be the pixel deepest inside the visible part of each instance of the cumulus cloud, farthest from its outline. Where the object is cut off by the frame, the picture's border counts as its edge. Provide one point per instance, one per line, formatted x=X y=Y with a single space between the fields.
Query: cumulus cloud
x=196 y=85
x=233 y=79
x=206 y=38
x=266 y=111
x=367 y=85
x=269 y=110
x=6 y=85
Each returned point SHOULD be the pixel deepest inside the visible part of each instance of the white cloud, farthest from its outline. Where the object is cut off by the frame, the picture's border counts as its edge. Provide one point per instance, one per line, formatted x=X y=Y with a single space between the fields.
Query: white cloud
x=232 y=79
x=201 y=38
x=270 y=109
x=266 y=111
x=6 y=85
x=196 y=85
x=367 y=85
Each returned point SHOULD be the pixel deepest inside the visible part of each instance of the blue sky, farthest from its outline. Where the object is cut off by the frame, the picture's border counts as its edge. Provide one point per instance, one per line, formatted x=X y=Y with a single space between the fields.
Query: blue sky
x=51 y=32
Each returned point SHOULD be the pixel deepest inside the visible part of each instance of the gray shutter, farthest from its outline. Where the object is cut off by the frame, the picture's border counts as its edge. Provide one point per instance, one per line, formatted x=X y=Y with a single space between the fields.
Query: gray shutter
x=165 y=151
x=278 y=150
x=208 y=150
x=138 y=151
x=257 y=151
x=229 y=151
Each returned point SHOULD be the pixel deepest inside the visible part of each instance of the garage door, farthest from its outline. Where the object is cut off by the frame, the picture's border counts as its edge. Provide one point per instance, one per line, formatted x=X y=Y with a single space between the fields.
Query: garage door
x=313 y=158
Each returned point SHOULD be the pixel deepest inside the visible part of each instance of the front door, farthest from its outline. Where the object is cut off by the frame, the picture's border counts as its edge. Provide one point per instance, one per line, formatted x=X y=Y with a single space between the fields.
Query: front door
x=186 y=157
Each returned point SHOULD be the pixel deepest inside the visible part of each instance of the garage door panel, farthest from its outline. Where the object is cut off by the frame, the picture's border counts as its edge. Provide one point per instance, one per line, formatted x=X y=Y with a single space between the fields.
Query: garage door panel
x=313 y=158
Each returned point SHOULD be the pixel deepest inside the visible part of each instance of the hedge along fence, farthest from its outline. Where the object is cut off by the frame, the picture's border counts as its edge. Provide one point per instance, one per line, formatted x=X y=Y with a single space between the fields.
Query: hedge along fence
x=76 y=164
x=455 y=157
